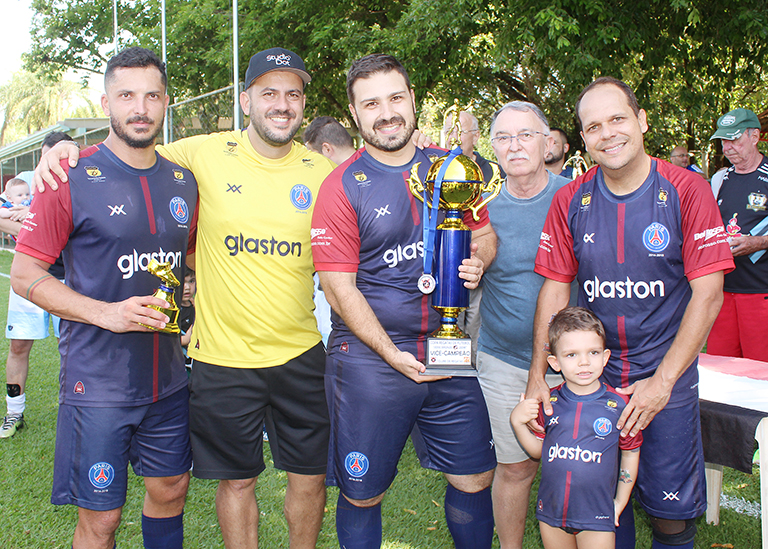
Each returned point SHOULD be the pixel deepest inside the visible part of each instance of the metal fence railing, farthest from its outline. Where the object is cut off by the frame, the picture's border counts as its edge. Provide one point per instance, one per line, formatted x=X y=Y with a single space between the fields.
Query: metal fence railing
x=206 y=113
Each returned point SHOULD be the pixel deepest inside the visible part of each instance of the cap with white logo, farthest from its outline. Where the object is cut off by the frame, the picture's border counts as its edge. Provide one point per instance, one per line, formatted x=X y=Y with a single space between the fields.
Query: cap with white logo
x=732 y=124
x=275 y=59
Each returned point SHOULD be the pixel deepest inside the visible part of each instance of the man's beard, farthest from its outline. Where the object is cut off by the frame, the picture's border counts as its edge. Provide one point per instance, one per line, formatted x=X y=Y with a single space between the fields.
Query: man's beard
x=148 y=140
x=552 y=158
x=270 y=137
x=392 y=143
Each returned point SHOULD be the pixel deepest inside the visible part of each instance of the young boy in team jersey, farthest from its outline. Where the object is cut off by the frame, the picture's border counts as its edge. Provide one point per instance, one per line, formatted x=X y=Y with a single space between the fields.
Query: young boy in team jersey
x=583 y=487
x=187 y=313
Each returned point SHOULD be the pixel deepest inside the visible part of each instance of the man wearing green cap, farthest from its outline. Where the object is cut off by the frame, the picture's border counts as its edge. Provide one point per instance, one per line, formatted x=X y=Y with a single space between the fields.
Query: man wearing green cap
x=743 y=202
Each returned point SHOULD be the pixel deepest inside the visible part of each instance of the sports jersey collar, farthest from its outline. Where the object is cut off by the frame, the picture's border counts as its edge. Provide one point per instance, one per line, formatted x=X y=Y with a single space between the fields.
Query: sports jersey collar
x=130 y=169
x=570 y=395
x=637 y=193
x=419 y=156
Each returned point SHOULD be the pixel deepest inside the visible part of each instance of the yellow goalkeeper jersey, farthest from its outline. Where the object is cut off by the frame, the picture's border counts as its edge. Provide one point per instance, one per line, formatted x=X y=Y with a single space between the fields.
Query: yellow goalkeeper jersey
x=253 y=254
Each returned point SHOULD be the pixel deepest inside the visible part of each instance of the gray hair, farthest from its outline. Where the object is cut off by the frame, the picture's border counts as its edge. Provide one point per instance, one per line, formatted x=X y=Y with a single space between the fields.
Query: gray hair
x=521 y=106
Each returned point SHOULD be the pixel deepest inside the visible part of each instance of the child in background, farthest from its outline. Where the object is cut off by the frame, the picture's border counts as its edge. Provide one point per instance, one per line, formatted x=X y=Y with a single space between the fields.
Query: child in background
x=583 y=487
x=17 y=193
x=187 y=312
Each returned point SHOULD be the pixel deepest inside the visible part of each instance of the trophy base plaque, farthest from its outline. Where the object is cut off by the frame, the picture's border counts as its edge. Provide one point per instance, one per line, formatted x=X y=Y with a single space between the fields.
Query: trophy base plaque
x=449 y=357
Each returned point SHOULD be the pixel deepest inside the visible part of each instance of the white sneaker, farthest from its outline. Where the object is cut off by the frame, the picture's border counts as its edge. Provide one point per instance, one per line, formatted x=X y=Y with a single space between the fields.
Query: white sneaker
x=11 y=424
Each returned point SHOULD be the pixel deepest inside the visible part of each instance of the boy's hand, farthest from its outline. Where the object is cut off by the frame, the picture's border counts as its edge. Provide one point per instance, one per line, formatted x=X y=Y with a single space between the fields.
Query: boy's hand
x=618 y=509
x=526 y=410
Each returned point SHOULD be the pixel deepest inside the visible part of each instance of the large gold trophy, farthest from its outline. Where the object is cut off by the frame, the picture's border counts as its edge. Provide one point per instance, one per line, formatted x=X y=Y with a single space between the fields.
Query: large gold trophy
x=165 y=292
x=454 y=184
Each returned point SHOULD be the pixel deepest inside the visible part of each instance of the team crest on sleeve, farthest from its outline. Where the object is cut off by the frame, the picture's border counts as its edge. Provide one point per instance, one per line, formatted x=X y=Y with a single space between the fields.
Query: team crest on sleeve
x=301 y=197
x=656 y=237
x=79 y=388
x=179 y=209
x=602 y=426
x=356 y=464
x=101 y=475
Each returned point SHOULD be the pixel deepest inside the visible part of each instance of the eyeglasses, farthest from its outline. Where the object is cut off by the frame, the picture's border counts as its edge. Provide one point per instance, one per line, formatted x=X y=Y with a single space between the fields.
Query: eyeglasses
x=522 y=137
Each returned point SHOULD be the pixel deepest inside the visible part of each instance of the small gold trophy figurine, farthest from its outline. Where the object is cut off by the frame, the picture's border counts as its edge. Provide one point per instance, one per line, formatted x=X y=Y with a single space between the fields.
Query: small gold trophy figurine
x=165 y=292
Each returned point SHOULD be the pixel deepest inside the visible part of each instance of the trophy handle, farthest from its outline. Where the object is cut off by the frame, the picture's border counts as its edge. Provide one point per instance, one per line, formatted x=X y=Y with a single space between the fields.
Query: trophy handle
x=414 y=182
x=493 y=186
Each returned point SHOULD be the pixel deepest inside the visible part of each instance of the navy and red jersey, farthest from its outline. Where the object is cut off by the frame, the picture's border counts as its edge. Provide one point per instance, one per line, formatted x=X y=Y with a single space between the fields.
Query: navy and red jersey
x=108 y=221
x=633 y=256
x=580 y=458
x=366 y=221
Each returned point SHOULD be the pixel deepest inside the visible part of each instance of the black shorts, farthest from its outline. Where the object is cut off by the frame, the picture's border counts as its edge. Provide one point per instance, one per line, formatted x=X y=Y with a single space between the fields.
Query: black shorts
x=229 y=406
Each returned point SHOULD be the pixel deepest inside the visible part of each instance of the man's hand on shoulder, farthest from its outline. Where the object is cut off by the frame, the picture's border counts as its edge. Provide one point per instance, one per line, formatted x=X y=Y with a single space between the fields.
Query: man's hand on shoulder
x=421 y=140
x=50 y=165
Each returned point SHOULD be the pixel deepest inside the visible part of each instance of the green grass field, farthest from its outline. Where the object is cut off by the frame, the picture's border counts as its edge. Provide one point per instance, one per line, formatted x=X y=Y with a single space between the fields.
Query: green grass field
x=412 y=510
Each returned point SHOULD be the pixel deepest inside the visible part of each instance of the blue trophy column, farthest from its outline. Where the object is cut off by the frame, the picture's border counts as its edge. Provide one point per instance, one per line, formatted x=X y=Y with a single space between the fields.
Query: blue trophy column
x=451 y=248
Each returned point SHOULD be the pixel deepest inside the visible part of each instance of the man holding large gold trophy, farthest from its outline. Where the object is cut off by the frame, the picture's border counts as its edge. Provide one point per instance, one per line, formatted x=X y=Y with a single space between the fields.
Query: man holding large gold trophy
x=368 y=245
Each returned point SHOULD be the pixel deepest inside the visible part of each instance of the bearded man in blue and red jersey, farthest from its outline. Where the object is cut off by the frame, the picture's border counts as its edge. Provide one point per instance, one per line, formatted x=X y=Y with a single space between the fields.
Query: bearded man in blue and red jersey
x=647 y=246
x=367 y=246
x=123 y=388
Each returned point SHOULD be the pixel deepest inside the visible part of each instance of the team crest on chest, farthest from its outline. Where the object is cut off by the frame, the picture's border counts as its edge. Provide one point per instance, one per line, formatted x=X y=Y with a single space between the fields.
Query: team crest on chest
x=586 y=200
x=656 y=237
x=602 y=426
x=756 y=202
x=301 y=197
x=179 y=209
x=231 y=149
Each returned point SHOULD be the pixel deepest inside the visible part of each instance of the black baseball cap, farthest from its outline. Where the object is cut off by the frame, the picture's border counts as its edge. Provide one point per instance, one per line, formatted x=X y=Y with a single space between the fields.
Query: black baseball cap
x=275 y=59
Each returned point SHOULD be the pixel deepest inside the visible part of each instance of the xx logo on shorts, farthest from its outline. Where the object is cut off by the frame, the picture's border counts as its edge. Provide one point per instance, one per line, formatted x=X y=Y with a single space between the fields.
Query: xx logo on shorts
x=101 y=475
x=356 y=464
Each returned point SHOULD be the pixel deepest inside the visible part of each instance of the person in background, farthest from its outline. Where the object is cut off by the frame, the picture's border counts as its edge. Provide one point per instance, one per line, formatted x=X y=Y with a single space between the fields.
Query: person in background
x=26 y=321
x=187 y=313
x=743 y=201
x=554 y=159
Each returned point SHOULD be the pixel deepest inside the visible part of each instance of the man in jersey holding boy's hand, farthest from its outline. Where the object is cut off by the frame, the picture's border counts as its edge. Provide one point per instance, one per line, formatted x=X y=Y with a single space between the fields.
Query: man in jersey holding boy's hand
x=647 y=245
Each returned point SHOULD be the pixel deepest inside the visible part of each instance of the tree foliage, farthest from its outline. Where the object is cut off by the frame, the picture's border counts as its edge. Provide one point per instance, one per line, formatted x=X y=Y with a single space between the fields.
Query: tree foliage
x=689 y=60
x=31 y=102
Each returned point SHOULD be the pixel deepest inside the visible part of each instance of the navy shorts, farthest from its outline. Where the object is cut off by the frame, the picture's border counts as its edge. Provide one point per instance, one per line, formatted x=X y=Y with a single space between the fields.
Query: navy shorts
x=94 y=446
x=670 y=480
x=373 y=410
